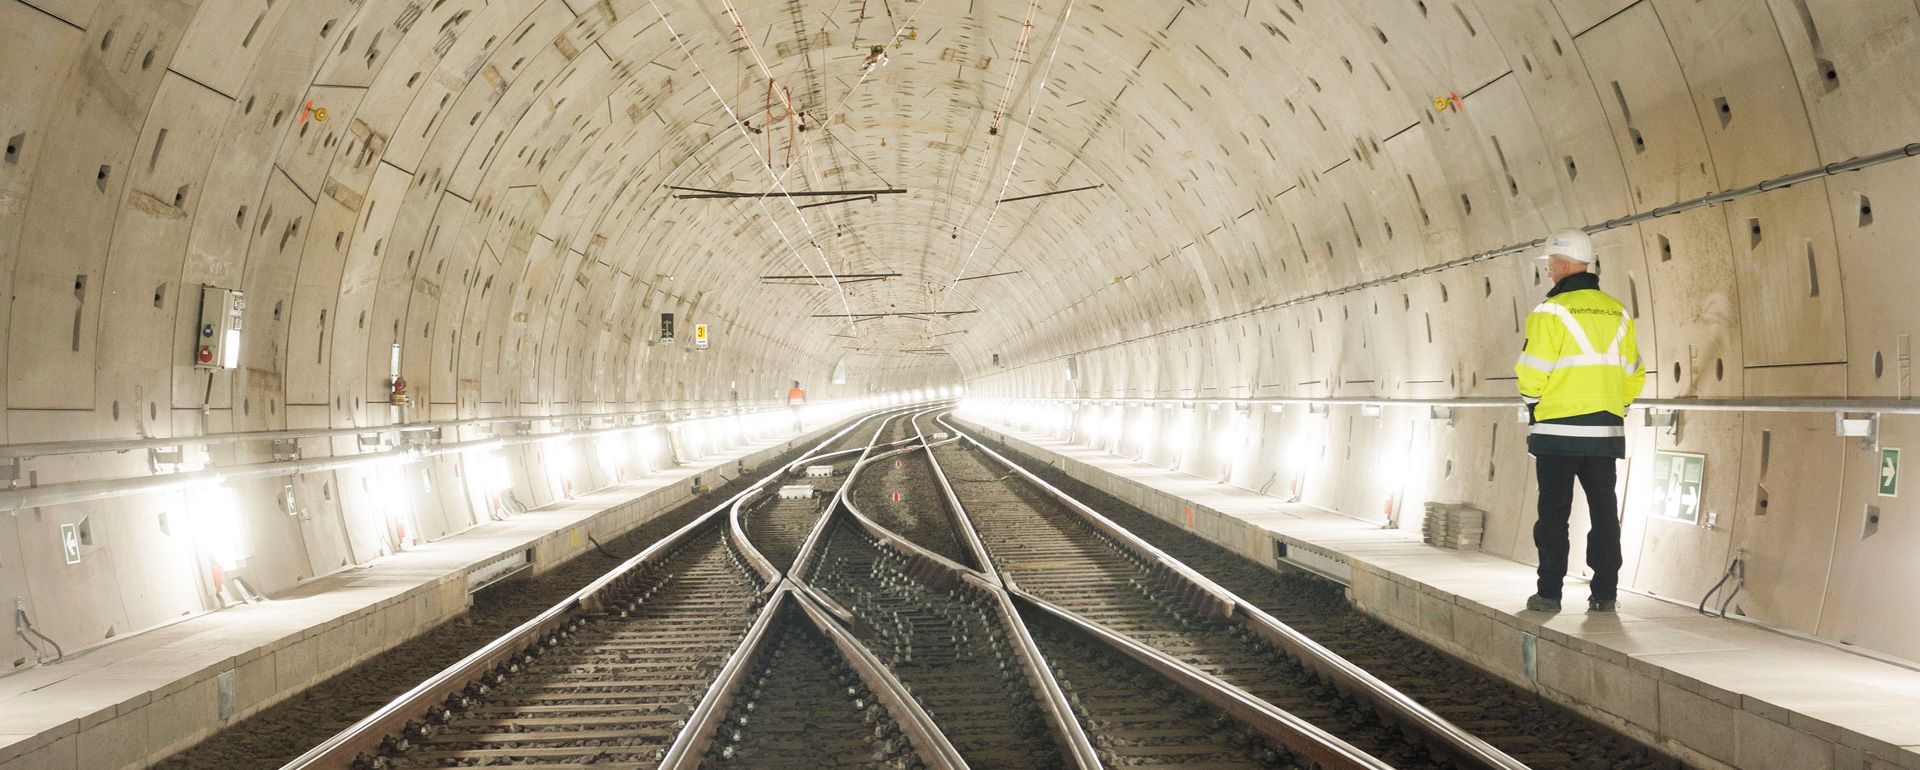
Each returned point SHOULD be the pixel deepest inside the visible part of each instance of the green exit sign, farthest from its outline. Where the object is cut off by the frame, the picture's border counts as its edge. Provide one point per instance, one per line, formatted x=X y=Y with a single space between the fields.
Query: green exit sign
x=1889 y=472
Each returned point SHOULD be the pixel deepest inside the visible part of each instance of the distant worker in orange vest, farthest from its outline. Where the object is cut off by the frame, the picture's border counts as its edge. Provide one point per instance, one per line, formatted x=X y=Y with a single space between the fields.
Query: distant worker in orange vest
x=796 y=398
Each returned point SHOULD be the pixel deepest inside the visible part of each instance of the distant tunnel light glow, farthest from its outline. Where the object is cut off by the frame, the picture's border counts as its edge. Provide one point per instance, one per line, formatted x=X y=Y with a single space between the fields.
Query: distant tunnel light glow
x=219 y=531
x=612 y=449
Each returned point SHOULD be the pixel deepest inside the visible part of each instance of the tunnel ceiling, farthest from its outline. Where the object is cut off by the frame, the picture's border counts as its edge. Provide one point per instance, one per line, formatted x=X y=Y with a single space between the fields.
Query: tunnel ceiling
x=523 y=155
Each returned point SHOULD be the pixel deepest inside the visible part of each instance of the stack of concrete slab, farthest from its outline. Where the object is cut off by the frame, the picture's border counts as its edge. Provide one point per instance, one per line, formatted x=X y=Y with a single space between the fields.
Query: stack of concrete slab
x=1453 y=525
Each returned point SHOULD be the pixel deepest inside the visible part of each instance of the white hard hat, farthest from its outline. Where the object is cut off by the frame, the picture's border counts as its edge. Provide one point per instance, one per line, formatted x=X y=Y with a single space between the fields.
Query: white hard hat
x=1572 y=244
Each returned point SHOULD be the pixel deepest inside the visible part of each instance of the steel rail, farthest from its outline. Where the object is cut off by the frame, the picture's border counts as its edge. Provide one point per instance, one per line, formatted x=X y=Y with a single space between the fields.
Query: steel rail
x=340 y=750
x=937 y=570
x=967 y=531
x=393 y=718
x=914 y=550
x=1302 y=738
x=1346 y=676
x=1796 y=405
x=1214 y=598
x=736 y=514
x=940 y=571
x=807 y=546
x=920 y=727
x=689 y=746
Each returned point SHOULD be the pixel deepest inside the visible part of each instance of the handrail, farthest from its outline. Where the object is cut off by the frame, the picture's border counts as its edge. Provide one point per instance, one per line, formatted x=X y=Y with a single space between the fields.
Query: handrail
x=1346 y=676
x=1796 y=405
x=86 y=446
x=1302 y=738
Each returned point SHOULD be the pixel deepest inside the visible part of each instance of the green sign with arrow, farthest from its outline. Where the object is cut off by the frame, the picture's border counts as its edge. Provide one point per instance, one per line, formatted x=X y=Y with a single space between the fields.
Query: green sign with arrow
x=1889 y=472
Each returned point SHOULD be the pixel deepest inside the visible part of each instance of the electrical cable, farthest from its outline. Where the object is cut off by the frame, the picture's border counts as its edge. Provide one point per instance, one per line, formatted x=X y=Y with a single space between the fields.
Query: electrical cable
x=1737 y=567
x=779 y=179
x=813 y=240
x=23 y=625
x=1033 y=104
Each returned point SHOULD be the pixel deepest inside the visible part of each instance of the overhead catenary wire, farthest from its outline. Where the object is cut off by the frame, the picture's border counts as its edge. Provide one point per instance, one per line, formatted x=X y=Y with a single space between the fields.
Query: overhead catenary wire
x=779 y=179
x=1033 y=105
x=687 y=51
x=820 y=125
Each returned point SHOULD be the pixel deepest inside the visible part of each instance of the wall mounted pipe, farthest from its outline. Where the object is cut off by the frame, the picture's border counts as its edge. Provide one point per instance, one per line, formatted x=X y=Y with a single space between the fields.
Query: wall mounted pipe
x=652 y=416
x=14 y=500
x=1746 y=405
x=1724 y=196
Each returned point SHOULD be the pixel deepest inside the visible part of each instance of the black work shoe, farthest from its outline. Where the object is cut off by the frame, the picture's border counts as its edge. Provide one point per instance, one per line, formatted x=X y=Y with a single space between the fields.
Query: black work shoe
x=1600 y=605
x=1538 y=603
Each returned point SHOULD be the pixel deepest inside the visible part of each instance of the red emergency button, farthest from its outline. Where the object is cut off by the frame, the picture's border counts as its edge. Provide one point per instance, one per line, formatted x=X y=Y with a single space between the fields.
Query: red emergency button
x=206 y=355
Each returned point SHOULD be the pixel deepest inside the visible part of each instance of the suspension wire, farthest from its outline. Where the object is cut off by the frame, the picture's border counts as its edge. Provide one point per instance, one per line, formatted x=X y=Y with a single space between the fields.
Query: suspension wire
x=681 y=41
x=779 y=179
x=1033 y=104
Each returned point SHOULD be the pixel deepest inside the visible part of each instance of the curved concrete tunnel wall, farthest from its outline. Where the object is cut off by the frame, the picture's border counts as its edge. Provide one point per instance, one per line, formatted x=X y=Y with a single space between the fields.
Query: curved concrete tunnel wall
x=487 y=190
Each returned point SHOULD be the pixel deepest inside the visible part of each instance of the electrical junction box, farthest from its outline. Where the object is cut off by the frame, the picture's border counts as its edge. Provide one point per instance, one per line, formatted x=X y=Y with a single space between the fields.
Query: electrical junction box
x=819 y=471
x=796 y=492
x=216 y=342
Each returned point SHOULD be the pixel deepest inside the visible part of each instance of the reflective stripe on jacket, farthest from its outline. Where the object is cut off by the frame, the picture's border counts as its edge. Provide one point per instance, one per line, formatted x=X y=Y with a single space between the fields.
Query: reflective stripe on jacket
x=1579 y=390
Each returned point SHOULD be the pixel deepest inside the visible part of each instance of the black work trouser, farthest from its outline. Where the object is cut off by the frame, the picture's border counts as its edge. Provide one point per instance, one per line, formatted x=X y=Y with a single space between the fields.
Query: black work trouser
x=1556 y=475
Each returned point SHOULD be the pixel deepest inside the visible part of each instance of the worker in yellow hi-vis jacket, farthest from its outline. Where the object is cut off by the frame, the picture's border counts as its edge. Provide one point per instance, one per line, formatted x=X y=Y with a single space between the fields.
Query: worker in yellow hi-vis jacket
x=1579 y=371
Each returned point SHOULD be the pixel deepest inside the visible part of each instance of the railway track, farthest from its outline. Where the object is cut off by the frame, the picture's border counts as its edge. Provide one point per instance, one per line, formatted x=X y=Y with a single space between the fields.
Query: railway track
x=1139 y=719
x=1042 y=544
x=1532 y=730
x=606 y=678
x=617 y=690
x=803 y=707
x=947 y=645
x=995 y=622
x=902 y=495
x=778 y=525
